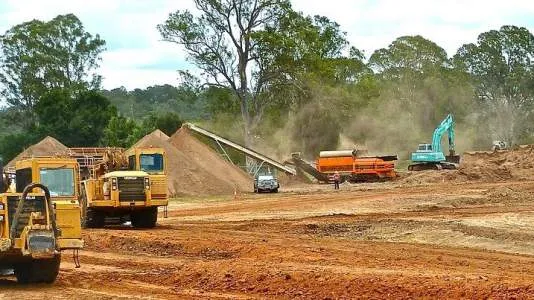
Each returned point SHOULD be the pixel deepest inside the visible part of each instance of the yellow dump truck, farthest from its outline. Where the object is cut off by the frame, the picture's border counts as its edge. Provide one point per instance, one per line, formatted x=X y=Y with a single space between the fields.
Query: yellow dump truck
x=39 y=218
x=120 y=187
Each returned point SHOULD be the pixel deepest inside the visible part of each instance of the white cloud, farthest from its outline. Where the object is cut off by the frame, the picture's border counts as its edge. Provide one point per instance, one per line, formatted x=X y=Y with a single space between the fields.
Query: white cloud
x=375 y=24
x=137 y=58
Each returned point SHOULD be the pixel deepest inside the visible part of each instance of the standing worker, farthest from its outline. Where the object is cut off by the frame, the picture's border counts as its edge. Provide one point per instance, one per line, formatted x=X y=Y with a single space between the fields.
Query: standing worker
x=336 y=180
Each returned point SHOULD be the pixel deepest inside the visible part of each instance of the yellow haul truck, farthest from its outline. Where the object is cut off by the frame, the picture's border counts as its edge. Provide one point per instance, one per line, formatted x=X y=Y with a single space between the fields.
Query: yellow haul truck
x=39 y=219
x=113 y=191
x=152 y=161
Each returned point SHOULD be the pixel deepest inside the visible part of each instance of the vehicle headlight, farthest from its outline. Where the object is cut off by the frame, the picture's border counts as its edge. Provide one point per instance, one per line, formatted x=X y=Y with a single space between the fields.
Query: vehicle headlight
x=147 y=183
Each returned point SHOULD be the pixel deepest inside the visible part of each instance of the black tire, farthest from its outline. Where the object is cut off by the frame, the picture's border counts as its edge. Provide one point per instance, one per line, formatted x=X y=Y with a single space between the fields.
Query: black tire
x=146 y=218
x=89 y=217
x=275 y=190
x=38 y=270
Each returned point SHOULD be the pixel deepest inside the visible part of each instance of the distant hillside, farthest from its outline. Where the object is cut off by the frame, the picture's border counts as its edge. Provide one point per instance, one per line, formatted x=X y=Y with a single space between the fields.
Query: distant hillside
x=139 y=103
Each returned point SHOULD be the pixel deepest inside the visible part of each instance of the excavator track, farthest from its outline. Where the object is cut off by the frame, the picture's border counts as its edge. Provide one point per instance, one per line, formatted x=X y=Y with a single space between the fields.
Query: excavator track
x=433 y=166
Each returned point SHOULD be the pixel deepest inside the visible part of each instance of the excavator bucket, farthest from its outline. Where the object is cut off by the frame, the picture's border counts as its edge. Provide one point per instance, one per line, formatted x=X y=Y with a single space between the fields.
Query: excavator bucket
x=455 y=159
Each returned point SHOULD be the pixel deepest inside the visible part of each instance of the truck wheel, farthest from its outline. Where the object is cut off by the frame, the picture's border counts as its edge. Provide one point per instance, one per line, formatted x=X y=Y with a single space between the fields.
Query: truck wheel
x=90 y=218
x=38 y=270
x=146 y=218
x=275 y=190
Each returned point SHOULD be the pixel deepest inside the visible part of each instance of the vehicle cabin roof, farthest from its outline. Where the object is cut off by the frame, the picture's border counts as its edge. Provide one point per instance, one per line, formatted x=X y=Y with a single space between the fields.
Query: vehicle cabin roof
x=46 y=161
x=126 y=174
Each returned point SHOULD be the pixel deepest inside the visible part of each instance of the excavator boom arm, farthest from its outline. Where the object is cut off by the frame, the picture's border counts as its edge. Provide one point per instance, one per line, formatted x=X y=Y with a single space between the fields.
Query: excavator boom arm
x=447 y=125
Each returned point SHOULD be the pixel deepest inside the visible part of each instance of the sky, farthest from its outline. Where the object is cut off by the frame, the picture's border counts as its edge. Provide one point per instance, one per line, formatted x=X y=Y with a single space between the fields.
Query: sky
x=135 y=56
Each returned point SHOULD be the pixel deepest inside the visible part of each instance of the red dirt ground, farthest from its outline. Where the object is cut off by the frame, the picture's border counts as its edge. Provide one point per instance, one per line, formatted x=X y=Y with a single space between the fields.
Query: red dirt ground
x=386 y=240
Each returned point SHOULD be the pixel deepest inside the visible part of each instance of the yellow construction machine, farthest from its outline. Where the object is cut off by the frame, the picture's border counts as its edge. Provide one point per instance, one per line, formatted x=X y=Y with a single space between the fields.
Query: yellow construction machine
x=39 y=218
x=117 y=187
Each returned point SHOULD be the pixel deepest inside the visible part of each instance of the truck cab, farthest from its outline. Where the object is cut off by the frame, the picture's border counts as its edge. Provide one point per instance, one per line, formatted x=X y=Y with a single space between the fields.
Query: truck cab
x=60 y=176
x=124 y=186
x=36 y=222
x=152 y=161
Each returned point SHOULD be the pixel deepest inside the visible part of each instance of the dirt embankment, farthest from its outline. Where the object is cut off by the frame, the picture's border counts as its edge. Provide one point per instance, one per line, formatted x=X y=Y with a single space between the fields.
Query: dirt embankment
x=483 y=166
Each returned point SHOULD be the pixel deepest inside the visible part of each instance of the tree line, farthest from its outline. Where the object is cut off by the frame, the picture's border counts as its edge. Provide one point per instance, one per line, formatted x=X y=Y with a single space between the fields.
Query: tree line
x=272 y=78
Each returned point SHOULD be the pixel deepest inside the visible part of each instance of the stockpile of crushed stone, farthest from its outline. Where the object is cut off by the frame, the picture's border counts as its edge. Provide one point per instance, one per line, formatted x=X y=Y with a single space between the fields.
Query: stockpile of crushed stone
x=48 y=146
x=194 y=168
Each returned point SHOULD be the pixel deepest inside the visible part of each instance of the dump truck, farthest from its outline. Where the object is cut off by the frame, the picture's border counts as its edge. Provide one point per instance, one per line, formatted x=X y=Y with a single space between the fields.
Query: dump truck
x=431 y=156
x=39 y=219
x=118 y=187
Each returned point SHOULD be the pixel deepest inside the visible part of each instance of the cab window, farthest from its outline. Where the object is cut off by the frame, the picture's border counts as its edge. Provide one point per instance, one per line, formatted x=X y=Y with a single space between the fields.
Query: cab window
x=60 y=181
x=24 y=177
x=151 y=162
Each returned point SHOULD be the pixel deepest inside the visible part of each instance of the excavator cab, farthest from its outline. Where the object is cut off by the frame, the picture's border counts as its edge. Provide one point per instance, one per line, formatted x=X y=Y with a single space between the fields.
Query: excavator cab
x=424 y=148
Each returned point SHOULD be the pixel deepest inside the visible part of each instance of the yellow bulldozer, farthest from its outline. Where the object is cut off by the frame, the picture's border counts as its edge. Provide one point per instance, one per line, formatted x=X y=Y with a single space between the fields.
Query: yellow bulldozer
x=39 y=218
x=118 y=187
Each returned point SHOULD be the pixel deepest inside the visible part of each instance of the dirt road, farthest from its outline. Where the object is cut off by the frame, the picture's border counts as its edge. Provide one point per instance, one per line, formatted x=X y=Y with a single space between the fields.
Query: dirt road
x=453 y=240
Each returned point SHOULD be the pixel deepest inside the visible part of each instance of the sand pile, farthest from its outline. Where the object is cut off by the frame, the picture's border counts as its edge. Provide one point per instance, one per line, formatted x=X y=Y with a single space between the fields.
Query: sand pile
x=514 y=164
x=517 y=164
x=226 y=176
x=194 y=168
x=48 y=146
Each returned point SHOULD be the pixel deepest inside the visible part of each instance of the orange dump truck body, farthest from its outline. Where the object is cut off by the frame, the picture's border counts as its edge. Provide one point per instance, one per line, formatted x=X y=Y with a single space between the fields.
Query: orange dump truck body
x=357 y=166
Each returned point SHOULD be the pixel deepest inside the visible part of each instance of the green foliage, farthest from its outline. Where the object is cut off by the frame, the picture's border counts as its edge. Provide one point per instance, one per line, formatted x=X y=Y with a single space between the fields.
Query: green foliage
x=137 y=104
x=38 y=56
x=168 y=123
x=93 y=112
x=409 y=56
x=75 y=122
x=220 y=42
x=124 y=132
x=13 y=144
x=501 y=67
x=220 y=100
x=262 y=51
x=121 y=132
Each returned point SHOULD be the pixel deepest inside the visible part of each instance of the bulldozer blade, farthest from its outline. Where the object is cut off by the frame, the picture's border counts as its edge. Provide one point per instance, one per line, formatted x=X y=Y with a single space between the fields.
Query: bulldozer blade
x=41 y=243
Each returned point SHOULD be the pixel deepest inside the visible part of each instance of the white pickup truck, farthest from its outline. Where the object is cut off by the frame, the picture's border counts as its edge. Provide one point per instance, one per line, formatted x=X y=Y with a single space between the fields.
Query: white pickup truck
x=266 y=183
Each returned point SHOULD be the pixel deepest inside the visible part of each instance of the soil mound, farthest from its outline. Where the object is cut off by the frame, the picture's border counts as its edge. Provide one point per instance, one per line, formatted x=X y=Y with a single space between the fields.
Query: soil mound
x=488 y=166
x=198 y=171
x=226 y=176
x=499 y=165
x=48 y=146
